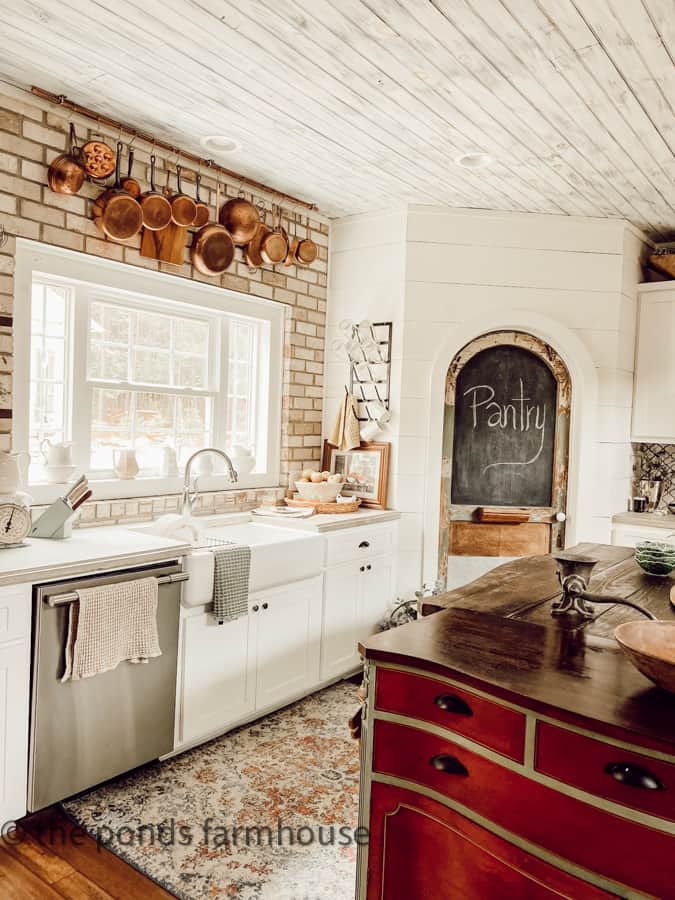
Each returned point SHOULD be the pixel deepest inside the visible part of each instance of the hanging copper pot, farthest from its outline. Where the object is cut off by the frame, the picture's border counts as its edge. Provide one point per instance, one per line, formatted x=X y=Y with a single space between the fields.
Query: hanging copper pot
x=129 y=184
x=212 y=247
x=155 y=206
x=116 y=213
x=306 y=251
x=183 y=207
x=241 y=218
x=202 y=215
x=274 y=246
x=66 y=175
x=292 y=244
x=98 y=160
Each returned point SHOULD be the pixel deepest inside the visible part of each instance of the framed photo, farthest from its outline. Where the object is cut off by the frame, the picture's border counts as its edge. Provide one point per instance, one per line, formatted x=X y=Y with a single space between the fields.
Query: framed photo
x=365 y=468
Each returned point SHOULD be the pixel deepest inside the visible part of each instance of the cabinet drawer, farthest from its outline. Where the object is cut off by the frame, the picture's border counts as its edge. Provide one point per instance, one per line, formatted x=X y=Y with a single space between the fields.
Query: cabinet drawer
x=15 y=604
x=359 y=543
x=419 y=697
x=621 y=850
x=583 y=762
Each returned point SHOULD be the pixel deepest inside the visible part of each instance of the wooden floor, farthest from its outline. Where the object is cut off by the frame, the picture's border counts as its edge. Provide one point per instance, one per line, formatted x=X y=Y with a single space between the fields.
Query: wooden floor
x=57 y=859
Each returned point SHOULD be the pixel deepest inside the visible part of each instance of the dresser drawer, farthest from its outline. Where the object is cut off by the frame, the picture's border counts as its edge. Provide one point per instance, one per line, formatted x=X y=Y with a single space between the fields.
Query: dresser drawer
x=640 y=782
x=359 y=543
x=497 y=727
x=15 y=604
x=621 y=850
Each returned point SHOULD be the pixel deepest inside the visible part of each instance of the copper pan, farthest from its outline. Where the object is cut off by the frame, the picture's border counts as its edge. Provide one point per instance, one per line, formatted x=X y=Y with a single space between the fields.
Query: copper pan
x=98 y=160
x=274 y=247
x=306 y=251
x=183 y=207
x=116 y=213
x=202 y=215
x=241 y=218
x=292 y=245
x=252 y=252
x=154 y=205
x=66 y=175
x=129 y=184
x=212 y=247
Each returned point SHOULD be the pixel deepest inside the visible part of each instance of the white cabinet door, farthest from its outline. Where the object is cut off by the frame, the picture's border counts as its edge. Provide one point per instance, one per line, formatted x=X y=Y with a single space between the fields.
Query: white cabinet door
x=377 y=594
x=218 y=675
x=341 y=615
x=14 y=679
x=287 y=627
x=654 y=401
x=356 y=597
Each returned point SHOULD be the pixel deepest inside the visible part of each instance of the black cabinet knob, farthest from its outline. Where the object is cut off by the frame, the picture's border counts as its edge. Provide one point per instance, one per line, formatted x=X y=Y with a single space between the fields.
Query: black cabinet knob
x=368 y=567
x=443 y=762
x=256 y=608
x=266 y=605
x=362 y=569
x=453 y=704
x=364 y=545
x=633 y=775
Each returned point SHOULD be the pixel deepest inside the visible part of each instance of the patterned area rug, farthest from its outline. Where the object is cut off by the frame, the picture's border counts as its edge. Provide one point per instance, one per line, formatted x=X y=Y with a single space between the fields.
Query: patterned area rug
x=266 y=812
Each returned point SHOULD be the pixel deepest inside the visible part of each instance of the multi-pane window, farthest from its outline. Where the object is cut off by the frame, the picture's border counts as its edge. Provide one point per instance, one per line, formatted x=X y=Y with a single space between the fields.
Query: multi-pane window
x=111 y=372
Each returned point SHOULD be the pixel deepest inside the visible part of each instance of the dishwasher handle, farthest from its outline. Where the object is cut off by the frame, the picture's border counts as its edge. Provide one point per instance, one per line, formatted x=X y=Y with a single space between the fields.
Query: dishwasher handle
x=65 y=599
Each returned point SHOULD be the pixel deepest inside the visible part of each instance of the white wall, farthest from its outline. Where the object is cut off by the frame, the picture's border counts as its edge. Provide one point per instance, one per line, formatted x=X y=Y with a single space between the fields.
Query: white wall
x=442 y=274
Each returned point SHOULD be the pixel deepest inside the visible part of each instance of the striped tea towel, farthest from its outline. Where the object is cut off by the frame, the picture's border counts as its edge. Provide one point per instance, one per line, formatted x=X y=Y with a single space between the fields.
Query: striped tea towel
x=231 y=570
x=110 y=624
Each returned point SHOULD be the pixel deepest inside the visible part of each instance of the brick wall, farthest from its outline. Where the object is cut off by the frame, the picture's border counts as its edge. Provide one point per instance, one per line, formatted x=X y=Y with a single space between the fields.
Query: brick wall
x=32 y=133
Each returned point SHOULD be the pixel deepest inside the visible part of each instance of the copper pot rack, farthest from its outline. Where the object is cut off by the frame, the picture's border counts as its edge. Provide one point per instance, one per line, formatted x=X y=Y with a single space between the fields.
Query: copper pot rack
x=122 y=127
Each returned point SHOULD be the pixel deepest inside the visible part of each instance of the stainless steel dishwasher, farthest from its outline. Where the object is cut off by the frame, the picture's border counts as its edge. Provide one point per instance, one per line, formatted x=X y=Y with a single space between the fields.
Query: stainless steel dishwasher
x=87 y=731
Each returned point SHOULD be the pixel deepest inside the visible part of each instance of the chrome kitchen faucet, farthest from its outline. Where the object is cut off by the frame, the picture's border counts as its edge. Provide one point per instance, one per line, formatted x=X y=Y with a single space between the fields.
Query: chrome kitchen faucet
x=190 y=495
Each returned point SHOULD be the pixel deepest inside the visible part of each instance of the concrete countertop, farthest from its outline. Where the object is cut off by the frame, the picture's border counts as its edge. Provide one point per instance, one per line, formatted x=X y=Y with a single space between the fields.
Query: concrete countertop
x=88 y=550
x=333 y=521
x=648 y=520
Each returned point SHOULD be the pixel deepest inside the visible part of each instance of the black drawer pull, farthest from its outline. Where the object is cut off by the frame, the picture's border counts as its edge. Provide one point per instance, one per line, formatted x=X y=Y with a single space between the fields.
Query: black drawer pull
x=364 y=545
x=256 y=608
x=448 y=764
x=633 y=775
x=362 y=569
x=265 y=605
x=368 y=567
x=453 y=704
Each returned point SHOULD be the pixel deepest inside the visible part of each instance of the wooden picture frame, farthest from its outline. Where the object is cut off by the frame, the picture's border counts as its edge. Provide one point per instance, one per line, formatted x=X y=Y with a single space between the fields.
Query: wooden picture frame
x=366 y=469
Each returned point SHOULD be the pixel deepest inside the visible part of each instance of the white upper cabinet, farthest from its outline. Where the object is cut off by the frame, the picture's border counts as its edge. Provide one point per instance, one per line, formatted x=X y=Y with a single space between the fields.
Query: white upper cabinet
x=654 y=397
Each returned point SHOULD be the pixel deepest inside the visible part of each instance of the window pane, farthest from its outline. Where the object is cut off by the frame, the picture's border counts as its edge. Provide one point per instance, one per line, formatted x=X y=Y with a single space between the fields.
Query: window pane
x=189 y=371
x=191 y=337
x=110 y=425
x=151 y=367
x=240 y=418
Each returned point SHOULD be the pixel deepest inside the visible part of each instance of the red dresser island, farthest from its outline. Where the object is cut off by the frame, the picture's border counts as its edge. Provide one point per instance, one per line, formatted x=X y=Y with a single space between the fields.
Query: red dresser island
x=510 y=754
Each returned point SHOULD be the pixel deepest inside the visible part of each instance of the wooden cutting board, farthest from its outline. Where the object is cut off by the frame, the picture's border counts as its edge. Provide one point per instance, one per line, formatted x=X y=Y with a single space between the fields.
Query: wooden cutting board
x=167 y=244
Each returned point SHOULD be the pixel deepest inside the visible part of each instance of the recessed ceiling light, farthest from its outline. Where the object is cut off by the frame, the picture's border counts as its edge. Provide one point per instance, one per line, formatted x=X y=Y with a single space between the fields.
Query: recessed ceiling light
x=474 y=160
x=219 y=143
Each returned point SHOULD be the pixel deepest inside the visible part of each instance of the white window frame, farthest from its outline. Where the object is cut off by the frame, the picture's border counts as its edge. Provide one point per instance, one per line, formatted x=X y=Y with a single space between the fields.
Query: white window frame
x=171 y=294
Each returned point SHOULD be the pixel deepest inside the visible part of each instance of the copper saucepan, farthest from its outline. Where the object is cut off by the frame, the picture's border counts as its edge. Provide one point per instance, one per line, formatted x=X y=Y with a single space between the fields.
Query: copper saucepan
x=183 y=207
x=129 y=184
x=154 y=205
x=212 y=246
x=306 y=251
x=116 y=213
x=274 y=246
x=66 y=175
x=241 y=218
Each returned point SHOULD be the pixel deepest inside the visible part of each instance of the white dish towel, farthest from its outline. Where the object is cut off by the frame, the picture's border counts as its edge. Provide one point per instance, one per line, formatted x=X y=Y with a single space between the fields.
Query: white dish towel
x=111 y=624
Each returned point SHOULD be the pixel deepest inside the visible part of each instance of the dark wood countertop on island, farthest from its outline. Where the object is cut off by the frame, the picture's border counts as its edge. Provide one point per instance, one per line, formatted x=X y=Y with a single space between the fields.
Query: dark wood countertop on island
x=498 y=634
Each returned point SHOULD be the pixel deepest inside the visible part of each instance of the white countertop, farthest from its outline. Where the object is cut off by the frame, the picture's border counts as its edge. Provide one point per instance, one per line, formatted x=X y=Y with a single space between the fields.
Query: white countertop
x=333 y=521
x=648 y=520
x=88 y=550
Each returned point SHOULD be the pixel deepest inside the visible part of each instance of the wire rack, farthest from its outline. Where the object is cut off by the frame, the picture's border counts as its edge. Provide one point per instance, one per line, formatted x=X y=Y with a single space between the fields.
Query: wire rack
x=370 y=367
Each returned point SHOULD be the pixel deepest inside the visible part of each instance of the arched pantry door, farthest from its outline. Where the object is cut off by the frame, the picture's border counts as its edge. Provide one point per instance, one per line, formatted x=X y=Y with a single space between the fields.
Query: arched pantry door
x=505 y=447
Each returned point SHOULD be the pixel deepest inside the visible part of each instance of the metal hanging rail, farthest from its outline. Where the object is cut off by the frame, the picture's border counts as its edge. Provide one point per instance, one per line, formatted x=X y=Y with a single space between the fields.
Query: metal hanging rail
x=63 y=101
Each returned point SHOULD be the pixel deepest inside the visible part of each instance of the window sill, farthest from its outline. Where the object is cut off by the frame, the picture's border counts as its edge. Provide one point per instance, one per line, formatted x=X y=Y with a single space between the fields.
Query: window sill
x=128 y=489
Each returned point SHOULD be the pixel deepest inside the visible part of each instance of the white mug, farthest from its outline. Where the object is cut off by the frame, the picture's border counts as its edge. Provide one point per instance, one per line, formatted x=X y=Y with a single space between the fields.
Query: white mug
x=169 y=464
x=125 y=464
x=57 y=454
x=369 y=430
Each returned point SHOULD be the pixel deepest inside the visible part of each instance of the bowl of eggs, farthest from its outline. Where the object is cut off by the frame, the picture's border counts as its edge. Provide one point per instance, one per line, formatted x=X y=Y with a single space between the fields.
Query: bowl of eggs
x=320 y=486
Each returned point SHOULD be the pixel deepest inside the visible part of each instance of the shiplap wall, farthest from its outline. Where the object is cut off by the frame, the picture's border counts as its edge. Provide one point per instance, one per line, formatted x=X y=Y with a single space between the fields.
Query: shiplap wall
x=446 y=267
x=32 y=133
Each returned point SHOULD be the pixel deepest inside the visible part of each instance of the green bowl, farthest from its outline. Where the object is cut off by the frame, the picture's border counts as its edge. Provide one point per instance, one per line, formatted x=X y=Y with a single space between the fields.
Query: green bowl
x=654 y=567
x=656 y=547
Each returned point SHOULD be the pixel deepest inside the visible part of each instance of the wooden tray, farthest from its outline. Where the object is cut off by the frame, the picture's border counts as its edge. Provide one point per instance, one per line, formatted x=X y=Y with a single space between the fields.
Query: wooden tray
x=326 y=508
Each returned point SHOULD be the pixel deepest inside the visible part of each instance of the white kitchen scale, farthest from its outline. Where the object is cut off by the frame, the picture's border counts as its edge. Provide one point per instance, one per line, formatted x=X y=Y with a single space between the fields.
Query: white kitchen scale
x=15 y=520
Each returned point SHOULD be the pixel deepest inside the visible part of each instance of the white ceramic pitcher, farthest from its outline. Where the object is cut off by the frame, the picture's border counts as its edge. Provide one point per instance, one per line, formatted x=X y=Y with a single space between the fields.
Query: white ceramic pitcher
x=125 y=463
x=57 y=454
x=13 y=470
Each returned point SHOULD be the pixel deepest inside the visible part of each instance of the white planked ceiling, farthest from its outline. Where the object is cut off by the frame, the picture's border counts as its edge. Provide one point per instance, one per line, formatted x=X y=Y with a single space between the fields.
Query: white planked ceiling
x=363 y=104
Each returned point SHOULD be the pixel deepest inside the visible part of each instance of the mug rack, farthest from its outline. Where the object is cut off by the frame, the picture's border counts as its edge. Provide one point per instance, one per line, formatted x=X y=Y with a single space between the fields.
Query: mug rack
x=370 y=366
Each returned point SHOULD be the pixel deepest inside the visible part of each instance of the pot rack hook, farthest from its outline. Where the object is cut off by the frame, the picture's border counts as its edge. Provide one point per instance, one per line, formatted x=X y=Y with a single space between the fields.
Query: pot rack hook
x=4 y=237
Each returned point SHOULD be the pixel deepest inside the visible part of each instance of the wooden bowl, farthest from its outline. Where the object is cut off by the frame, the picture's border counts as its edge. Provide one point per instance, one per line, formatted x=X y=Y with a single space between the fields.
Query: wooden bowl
x=650 y=646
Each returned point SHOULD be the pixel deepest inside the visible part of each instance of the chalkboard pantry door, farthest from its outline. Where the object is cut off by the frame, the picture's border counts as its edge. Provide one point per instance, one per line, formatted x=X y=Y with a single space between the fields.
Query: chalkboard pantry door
x=505 y=445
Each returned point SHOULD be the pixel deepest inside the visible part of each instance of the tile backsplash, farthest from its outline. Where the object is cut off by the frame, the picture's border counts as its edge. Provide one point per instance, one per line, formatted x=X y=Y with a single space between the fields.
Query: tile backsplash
x=656 y=461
